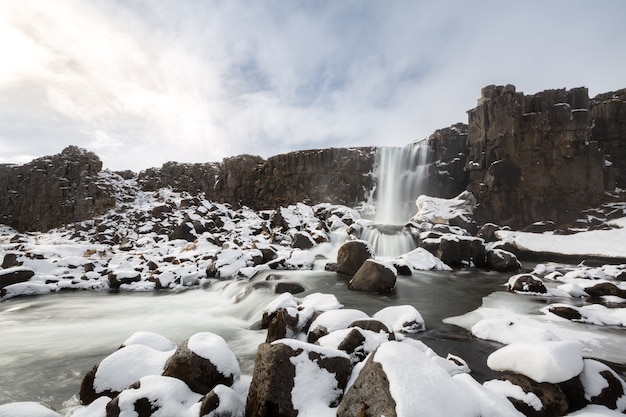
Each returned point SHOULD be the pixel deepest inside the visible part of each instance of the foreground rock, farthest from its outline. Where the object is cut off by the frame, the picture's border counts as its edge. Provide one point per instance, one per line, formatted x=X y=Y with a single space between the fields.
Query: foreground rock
x=278 y=389
x=351 y=255
x=374 y=276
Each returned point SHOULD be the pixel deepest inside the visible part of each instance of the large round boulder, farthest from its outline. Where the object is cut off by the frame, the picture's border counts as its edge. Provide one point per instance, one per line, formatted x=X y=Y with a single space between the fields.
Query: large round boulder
x=502 y=261
x=15 y=275
x=293 y=378
x=351 y=256
x=202 y=362
x=374 y=276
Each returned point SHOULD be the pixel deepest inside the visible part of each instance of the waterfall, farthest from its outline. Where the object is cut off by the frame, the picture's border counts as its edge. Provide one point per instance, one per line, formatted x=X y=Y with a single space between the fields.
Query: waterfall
x=401 y=175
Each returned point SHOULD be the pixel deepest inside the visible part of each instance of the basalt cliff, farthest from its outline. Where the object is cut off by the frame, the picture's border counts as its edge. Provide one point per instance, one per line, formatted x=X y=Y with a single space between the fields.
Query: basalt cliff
x=526 y=158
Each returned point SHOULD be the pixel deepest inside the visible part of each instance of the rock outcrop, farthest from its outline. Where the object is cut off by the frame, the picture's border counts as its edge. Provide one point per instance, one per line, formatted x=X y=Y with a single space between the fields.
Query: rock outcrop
x=534 y=157
x=447 y=176
x=332 y=175
x=54 y=190
x=608 y=128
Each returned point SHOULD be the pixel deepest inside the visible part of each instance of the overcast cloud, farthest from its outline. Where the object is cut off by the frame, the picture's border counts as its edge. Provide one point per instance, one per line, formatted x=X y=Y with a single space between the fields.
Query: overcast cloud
x=145 y=82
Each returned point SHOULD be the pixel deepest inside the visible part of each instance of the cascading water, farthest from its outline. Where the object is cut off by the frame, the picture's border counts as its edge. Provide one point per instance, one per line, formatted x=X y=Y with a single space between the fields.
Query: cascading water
x=401 y=177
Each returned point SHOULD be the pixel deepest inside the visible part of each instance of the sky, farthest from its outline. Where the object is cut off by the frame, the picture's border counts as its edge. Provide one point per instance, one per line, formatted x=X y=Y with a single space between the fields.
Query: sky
x=143 y=82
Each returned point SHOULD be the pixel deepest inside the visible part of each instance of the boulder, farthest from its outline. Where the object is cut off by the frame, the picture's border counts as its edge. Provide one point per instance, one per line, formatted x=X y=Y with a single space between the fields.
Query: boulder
x=332 y=320
x=222 y=401
x=351 y=256
x=302 y=240
x=15 y=275
x=526 y=283
x=292 y=377
x=533 y=399
x=202 y=362
x=284 y=324
x=373 y=276
x=402 y=318
x=118 y=278
x=10 y=260
x=603 y=386
x=502 y=261
x=153 y=395
x=122 y=368
x=605 y=288
x=457 y=250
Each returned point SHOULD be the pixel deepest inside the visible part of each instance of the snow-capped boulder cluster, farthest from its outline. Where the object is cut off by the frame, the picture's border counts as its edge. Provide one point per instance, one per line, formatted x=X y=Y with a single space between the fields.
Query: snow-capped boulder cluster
x=167 y=240
x=392 y=374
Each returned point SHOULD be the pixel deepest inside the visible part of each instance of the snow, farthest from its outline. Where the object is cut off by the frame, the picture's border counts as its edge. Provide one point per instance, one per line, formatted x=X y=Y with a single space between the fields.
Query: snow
x=403 y=318
x=321 y=302
x=152 y=340
x=594 y=314
x=512 y=329
x=601 y=243
x=508 y=389
x=594 y=383
x=595 y=411
x=96 y=409
x=315 y=389
x=371 y=340
x=285 y=300
x=26 y=409
x=214 y=348
x=552 y=362
x=441 y=210
x=422 y=260
x=171 y=395
x=126 y=365
x=417 y=383
x=229 y=403
x=337 y=319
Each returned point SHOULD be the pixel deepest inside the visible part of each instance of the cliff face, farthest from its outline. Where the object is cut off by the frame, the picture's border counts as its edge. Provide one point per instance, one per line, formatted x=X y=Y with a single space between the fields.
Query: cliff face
x=447 y=176
x=53 y=190
x=533 y=157
x=333 y=175
x=608 y=128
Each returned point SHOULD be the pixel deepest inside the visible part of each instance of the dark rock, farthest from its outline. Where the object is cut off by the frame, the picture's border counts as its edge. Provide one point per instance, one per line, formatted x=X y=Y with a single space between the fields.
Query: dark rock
x=565 y=312
x=10 y=260
x=115 y=281
x=373 y=277
x=369 y=395
x=68 y=189
x=281 y=325
x=605 y=288
x=375 y=326
x=613 y=391
x=487 y=232
x=503 y=261
x=526 y=283
x=15 y=275
x=185 y=230
x=290 y=287
x=302 y=240
x=199 y=373
x=553 y=400
x=447 y=176
x=87 y=393
x=351 y=255
x=533 y=158
x=274 y=376
x=456 y=250
x=225 y=397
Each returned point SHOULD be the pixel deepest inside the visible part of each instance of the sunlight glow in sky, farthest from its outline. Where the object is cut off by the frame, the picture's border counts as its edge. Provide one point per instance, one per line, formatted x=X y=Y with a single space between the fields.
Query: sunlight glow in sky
x=141 y=82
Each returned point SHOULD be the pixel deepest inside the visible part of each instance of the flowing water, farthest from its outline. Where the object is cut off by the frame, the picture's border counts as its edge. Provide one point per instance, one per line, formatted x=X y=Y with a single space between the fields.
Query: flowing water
x=48 y=343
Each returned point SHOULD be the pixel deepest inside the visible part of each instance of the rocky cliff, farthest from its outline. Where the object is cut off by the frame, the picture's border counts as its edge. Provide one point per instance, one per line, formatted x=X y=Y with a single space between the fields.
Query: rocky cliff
x=54 y=190
x=533 y=157
x=333 y=175
x=608 y=128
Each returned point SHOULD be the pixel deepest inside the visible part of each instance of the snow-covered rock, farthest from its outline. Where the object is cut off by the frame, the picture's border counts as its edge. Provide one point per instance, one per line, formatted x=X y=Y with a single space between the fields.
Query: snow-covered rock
x=26 y=409
x=404 y=319
x=552 y=362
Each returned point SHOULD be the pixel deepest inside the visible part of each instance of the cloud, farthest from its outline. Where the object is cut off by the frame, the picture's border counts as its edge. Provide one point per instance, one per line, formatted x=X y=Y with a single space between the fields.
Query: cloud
x=143 y=82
